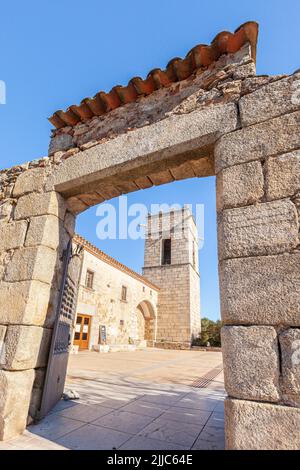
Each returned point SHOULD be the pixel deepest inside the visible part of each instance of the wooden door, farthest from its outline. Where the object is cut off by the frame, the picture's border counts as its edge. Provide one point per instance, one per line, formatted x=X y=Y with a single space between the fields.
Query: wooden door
x=82 y=331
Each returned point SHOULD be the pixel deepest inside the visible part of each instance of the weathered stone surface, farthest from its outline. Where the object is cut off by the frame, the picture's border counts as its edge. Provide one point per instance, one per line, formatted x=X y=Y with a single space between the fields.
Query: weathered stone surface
x=32 y=263
x=261 y=426
x=263 y=229
x=240 y=185
x=29 y=181
x=263 y=290
x=76 y=205
x=25 y=302
x=3 y=329
x=270 y=101
x=251 y=362
x=283 y=176
x=12 y=235
x=245 y=71
x=37 y=393
x=69 y=223
x=26 y=347
x=15 y=393
x=280 y=135
x=175 y=135
x=45 y=230
x=290 y=360
x=35 y=204
x=60 y=142
x=6 y=210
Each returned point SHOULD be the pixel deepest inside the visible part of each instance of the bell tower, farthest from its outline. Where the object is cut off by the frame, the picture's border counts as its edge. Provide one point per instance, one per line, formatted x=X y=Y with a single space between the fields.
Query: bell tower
x=171 y=262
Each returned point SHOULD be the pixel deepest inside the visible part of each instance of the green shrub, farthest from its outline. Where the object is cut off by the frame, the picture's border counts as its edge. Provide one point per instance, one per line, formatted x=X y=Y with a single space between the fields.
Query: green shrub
x=210 y=333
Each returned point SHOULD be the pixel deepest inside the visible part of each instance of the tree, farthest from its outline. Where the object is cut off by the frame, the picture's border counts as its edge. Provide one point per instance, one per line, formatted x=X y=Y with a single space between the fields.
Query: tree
x=210 y=333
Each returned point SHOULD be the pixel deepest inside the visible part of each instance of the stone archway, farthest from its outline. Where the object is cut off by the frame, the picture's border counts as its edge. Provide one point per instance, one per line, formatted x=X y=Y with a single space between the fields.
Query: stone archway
x=147 y=310
x=224 y=121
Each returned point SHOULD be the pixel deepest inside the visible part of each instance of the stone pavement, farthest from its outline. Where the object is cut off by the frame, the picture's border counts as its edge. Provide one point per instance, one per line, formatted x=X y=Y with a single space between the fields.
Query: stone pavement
x=141 y=400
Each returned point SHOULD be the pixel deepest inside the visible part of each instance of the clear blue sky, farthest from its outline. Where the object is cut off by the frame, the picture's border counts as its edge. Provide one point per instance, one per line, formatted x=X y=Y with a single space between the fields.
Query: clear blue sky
x=54 y=53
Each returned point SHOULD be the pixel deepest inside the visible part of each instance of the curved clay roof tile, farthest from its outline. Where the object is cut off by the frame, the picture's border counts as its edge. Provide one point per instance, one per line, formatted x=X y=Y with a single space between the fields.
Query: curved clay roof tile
x=199 y=58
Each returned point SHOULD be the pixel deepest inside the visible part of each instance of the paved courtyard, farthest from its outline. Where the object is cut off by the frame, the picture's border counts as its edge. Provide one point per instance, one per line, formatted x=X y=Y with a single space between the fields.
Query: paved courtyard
x=143 y=400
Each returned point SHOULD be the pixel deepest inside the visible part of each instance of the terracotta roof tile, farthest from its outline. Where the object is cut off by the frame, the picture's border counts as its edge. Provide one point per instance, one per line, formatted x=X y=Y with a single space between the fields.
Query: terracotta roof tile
x=88 y=246
x=199 y=58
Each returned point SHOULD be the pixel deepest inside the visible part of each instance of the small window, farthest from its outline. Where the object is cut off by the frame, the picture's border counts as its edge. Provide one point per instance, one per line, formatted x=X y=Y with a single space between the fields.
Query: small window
x=166 y=251
x=124 y=293
x=144 y=289
x=89 y=280
x=122 y=323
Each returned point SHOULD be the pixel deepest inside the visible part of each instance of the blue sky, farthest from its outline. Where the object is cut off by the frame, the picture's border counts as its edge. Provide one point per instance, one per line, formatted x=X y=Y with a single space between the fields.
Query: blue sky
x=54 y=53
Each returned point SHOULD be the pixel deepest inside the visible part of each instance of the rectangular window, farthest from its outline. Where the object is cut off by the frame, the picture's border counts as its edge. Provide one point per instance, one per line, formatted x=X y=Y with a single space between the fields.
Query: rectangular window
x=124 y=293
x=166 y=252
x=89 y=279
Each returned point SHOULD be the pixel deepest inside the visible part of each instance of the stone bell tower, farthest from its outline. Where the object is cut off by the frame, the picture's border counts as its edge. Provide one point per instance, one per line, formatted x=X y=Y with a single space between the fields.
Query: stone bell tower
x=171 y=262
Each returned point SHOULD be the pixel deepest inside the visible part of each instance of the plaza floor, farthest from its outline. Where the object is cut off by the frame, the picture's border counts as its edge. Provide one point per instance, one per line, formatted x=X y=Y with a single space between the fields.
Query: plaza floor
x=143 y=400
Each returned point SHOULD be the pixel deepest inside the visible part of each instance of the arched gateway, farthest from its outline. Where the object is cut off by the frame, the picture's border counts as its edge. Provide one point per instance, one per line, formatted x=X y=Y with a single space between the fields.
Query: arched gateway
x=208 y=114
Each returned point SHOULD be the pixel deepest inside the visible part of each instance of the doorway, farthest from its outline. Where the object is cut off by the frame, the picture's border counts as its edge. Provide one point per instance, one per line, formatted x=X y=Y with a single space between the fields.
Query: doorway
x=82 y=331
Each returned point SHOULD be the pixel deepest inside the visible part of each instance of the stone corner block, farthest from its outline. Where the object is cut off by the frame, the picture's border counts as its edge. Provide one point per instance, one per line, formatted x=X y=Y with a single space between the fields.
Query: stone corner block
x=26 y=347
x=12 y=235
x=261 y=290
x=32 y=263
x=283 y=176
x=257 y=142
x=251 y=362
x=290 y=362
x=261 y=426
x=15 y=394
x=262 y=229
x=35 y=204
x=277 y=98
x=29 y=181
x=240 y=185
x=26 y=302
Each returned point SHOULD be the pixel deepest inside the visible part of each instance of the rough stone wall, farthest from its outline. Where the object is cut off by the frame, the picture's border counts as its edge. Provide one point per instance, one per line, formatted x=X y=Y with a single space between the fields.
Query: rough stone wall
x=179 y=296
x=258 y=189
x=106 y=307
x=35 y=227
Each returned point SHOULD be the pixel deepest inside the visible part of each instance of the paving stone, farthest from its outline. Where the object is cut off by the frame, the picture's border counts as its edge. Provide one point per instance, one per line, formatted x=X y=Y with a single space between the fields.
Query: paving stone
x=144 y=443
x=183 y=434
x=124 y=421
x=186 y=415
x=54 y=426
x=90 y=437
x=85 y=413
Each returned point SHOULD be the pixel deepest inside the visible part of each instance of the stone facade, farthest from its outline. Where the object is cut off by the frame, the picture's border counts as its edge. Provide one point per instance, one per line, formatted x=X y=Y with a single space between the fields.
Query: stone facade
x=128 y=322
x=224 y=121
x=179 y=280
